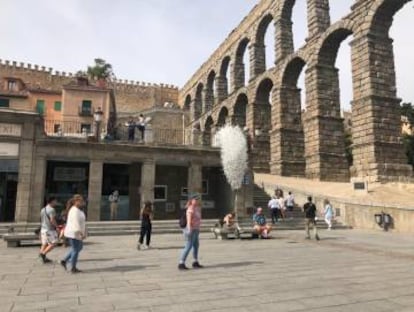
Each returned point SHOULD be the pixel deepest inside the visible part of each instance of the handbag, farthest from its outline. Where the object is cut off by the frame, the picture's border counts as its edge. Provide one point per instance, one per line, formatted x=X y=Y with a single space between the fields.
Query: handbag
x=37 y=230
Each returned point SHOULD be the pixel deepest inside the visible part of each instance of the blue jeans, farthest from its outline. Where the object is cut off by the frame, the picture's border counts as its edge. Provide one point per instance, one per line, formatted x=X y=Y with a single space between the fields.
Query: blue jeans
x=76 y=246
x=191 y=241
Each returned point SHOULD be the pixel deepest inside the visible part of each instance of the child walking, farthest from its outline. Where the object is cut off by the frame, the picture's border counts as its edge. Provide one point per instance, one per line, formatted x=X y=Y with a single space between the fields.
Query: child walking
x=146 y=226
x=328 y=213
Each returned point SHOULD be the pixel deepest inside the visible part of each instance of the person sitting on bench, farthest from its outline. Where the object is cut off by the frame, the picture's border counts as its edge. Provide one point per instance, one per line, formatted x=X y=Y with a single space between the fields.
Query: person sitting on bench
x=229 y=221
x=260 y=225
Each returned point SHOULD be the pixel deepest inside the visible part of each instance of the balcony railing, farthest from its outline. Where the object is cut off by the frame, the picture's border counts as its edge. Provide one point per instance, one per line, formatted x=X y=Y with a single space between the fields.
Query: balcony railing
x=119 y=134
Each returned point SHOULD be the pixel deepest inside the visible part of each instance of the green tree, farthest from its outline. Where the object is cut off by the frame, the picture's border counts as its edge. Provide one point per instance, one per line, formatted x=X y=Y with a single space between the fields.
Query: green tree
x=407 y=110
x=348 y=148
x=100 y=70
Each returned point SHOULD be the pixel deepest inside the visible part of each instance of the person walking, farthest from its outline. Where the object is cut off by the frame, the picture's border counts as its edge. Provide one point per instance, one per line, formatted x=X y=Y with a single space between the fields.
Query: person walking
x=113 y=200
x=310 y=214
x=48 y=233
x=146 y=225
x=192 y=232
x=273 y=205
x=328 y=213
x=282 y=207
x=141 y=126
x=290 y=204
x=75 y=231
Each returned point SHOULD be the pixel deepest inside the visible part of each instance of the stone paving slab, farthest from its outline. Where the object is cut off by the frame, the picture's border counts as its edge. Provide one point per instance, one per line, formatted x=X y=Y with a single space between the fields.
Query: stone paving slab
x=347 y=270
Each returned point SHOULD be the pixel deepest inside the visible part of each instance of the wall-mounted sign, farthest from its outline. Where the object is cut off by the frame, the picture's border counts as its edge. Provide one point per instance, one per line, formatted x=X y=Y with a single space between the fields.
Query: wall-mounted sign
x=9 y=129
x=9 y=149
x=69 y=174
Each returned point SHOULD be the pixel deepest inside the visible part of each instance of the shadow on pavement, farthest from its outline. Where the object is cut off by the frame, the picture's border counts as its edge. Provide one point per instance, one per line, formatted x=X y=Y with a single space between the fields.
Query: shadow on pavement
x=233 y=264
x=168 y=248
x=121 y=268
x=101 y=259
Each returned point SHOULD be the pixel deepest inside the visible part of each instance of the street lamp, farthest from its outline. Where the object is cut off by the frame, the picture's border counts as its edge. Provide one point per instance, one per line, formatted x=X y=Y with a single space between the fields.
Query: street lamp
x=97 y=116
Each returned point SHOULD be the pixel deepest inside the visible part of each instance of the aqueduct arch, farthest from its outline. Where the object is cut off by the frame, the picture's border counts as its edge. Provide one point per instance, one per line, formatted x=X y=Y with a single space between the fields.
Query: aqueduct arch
x=295 y=143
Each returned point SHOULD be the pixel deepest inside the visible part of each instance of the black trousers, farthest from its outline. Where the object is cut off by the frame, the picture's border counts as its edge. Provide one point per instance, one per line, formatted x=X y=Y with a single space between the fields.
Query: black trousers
x=275 y=215
x=145 y=231
x=142 y=130
x=131 y=134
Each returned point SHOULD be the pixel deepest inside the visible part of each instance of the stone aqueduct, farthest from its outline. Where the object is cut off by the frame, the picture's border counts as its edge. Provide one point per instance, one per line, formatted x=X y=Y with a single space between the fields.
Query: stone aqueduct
x=287 y=140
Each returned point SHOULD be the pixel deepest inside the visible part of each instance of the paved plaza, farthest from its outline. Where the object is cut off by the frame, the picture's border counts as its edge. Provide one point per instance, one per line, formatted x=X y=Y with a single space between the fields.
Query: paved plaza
x=347 y=270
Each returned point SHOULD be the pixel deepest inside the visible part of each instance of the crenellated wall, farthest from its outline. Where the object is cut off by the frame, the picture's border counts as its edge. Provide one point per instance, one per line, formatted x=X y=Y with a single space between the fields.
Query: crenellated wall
x=131 y=96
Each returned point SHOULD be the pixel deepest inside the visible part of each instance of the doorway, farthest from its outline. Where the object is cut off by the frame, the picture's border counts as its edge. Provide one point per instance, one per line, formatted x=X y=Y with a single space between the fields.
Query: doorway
x=8 y=195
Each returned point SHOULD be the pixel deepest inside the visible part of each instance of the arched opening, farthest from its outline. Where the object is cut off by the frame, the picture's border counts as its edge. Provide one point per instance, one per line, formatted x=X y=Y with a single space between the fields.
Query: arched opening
x=333 y=138
x=240 y=109
x=241 y=71
x=265 y=40
x=208 y=133
x=187 y=103
x=339 y=9
x=223 y=80
x=222 y=118
x=293 y=97
x=263 y=105
x=209 y=96
x=298 y=17
x=288 y=144
x=390 y=157
x=198 y=102
x=262 y=125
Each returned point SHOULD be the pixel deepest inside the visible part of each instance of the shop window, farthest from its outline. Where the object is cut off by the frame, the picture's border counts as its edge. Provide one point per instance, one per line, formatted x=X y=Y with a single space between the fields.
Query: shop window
x=4 y=103
x=58 y=106
x=40 y=107
x=86 y=108
x=160 y=193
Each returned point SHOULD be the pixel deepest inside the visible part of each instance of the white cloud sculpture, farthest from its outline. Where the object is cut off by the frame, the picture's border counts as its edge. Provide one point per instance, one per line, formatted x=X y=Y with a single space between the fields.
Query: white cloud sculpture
x=233 y=145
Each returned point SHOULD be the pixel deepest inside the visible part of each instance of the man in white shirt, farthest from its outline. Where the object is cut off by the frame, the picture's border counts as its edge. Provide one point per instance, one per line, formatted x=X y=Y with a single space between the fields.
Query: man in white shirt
x=274 y=209
x=48 y=234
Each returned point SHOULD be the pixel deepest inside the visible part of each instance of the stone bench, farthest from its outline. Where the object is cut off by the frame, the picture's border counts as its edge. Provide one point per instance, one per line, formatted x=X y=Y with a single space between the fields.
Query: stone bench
x=15 y=239
x=242 y=229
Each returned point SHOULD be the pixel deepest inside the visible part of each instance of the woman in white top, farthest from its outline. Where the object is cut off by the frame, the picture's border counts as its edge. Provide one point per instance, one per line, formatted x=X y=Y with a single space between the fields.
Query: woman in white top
x=75 y=231
x=328 y=213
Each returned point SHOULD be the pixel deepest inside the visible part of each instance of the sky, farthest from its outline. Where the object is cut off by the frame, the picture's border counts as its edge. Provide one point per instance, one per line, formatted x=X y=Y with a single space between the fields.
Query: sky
x=161 y=41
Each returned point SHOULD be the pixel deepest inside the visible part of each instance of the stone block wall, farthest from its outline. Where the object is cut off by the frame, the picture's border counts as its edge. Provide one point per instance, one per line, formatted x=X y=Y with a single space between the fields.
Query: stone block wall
x=377 y=149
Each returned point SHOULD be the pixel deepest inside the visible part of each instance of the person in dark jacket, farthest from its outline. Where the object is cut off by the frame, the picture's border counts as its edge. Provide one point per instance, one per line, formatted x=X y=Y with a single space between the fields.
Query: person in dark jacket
x=146 y=226
x=310 y=214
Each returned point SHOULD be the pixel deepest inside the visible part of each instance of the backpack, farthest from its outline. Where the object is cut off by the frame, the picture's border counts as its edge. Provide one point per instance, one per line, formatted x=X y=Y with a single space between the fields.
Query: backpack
x=182 y=222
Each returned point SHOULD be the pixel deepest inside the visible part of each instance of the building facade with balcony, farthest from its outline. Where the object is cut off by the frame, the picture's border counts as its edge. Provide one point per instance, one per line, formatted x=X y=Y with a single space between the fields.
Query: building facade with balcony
x=35 y=165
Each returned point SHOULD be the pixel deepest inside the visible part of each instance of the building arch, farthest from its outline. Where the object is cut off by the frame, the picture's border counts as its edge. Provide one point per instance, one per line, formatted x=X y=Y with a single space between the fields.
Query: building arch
x=262 y=125
x=187 y=103
x=198 y=101
x=240 y=110
x=208 y=131
x=210 y=91
x=380 y=22
x=223 y=80
x=222 y=117
x=239 y=67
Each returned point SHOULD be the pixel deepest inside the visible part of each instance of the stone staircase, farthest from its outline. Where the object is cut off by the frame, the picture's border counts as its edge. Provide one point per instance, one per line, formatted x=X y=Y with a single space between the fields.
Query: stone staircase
x=107 y=228
x=296 y=222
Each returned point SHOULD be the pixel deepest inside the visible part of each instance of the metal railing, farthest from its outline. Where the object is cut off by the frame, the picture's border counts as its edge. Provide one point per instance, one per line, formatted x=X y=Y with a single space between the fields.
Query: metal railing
x=121 y=134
